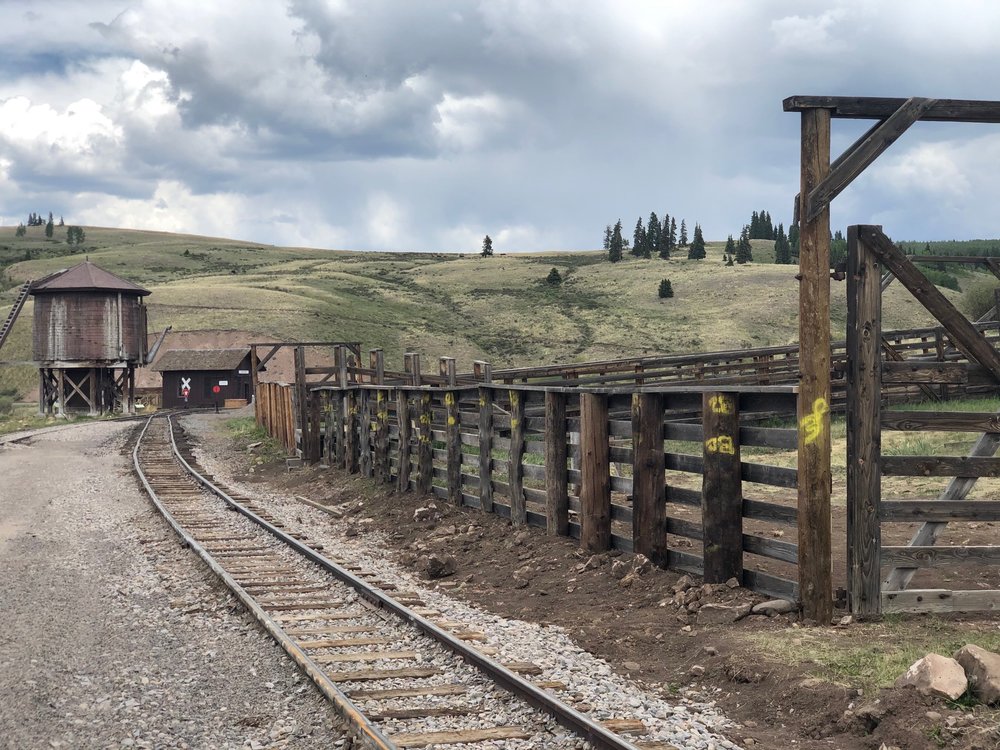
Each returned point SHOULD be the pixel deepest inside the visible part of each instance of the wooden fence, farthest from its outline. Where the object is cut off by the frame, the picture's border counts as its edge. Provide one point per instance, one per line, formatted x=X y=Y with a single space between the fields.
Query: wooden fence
x=587 y=464
x=275 y=411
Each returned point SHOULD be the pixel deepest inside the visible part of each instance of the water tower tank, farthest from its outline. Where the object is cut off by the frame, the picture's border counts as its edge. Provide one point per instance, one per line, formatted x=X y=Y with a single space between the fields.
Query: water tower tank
x=88 y=315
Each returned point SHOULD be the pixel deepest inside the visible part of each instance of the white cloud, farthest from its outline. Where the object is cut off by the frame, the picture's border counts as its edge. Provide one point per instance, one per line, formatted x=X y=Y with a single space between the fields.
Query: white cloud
x=385 y=219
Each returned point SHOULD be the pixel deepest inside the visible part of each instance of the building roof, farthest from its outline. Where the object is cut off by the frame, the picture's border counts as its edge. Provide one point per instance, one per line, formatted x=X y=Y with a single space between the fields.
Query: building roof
x=193 y=360
x=86 y=277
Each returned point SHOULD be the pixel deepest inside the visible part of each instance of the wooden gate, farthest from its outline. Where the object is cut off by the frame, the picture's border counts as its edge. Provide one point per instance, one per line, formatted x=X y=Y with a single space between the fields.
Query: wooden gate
x=879 y=575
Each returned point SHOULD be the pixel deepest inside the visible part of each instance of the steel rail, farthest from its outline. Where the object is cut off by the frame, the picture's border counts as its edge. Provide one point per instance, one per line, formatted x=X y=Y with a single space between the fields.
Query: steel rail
x=600 y=737
x=342 y=704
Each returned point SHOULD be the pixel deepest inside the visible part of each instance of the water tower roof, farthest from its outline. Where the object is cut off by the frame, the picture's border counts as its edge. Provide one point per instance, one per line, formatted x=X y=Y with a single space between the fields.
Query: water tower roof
x=86 y=277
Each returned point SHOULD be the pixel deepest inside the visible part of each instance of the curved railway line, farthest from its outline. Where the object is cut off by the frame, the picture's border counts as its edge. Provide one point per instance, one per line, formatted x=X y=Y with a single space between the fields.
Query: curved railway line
x=397 y=676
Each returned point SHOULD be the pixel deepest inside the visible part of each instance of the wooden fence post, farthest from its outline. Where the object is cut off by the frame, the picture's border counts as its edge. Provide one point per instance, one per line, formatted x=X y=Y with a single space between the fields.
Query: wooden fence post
x=301 y=400
x=425 y=445
x=315 y=422
x=722 y=489
x=448 y=371
x=351 y=431
x=595 y=489
x=382 y=472
x=486 y=449
x=365 y=430
x=649 y=493
x=515 y=470
x=556 y=489
x=453 y=439
x=255 y=382
x=815 y=531
x=337 y=437
x=403 y=418
x=376 y=360
x=864 y=429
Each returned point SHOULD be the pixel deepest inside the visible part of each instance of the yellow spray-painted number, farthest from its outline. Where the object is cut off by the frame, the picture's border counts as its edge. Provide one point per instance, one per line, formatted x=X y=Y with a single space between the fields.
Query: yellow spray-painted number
x=721 y=444
x=482 y=402
x=721 y=404
x=812 y=423
x=449 y=399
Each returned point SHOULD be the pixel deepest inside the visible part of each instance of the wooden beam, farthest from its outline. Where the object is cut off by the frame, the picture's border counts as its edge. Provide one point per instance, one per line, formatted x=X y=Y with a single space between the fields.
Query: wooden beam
x=595 y=490
x=515 y=471
x=403 y=423
x=864 y=437
x=940 y=600
x=940 y=466
x=453 y=441
x=945 y=421
x=880 y=108
x=649 y=512
x=894 y=355
x=722 y=489
x=814 y=477
x=964 y=334
x=904 y=373
x=556 y=486
x=425 y=444
x=941 y=511
x=860 y=155
x=267 y=357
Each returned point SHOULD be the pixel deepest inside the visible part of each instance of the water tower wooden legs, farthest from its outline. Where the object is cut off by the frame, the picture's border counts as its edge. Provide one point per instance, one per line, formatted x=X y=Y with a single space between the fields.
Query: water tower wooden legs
x=86 y=390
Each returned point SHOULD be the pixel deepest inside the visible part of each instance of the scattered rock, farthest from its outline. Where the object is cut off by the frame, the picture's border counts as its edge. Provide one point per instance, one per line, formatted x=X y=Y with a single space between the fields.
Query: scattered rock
x=933 y=716
x=720 y=614
x=632 y=666
x=441 y=565
x=683 y=584
x=733 y=583
x=629 y=579
x=254 y=445
x=870 y=716
x=427 y=513
x=775 y=607
x=844 y=621
x=936 y=675
x=696 y=671
x=982 y=668
x=641 y=564
x=619 y=569
x=593 y=563
x=350 y=530
x=710 y=650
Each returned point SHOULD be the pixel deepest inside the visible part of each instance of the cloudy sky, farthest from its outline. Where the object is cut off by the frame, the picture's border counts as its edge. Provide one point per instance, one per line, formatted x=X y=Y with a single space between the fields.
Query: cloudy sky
x=408 y=125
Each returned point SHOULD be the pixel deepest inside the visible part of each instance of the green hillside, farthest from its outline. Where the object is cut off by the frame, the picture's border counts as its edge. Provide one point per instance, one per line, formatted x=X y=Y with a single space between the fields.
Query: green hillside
x=499 y=309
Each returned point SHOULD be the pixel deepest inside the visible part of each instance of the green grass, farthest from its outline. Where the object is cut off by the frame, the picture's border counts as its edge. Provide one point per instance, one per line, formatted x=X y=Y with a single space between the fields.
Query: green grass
x=244 y=432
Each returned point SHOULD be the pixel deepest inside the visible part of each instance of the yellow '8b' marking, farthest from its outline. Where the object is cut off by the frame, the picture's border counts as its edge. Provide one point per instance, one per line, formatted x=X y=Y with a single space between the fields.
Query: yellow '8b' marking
x=721 y=444
x=812 y=423
x=449 y=399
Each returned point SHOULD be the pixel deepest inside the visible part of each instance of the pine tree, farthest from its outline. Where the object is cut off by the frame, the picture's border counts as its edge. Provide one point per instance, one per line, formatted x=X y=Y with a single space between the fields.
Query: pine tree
x=61 y=222
x=754 y=225
x=782 y=250
x=652 y=236
x=768 y=227
x=607 y=238
x=553 y=279
x=666 y=290
x=684 y=234
x=729 y=260
x=49 y=227
x=487 y=251
x=697 y=249
x=615 y=247
x=638 y=238
x=20 y=231
x=75 y=235
x=663 y=242
x=744 y=251
x=730 y=248
x=793 y=239
x=673 y=234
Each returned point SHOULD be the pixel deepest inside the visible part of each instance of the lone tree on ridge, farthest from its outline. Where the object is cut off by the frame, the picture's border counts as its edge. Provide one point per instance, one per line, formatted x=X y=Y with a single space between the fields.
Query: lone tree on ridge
x=487 y=247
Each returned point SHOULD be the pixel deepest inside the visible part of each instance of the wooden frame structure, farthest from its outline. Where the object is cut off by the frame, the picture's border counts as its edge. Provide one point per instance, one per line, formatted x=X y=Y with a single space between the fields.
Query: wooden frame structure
x=821 y=181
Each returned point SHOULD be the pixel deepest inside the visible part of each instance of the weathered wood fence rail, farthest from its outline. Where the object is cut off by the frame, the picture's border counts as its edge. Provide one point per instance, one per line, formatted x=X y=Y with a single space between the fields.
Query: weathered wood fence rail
x=590 y=464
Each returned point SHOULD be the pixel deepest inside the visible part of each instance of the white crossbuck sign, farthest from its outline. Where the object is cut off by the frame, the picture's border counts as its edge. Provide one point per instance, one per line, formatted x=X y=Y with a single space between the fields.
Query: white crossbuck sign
x=186 y=384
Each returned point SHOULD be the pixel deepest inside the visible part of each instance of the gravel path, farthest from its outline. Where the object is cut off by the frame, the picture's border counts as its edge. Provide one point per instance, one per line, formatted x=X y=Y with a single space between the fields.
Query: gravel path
x=689 y=720
x=111 y=634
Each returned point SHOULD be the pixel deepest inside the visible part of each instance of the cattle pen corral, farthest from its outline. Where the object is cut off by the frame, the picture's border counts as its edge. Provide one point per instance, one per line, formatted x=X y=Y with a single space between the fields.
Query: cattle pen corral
x=585 y=449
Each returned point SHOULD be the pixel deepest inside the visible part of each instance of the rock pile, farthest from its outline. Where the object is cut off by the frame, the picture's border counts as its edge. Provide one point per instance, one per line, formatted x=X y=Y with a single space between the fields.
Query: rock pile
x=972 y=669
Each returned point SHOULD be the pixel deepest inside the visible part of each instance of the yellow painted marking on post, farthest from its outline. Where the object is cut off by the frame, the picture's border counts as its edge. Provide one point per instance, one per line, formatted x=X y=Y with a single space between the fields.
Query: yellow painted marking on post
x=721 y=444
x=513 y=397
x=812 y=423
x=451 y=421
x=721 y=404
x=449 y=399
x=513 y=422
x=482 y=402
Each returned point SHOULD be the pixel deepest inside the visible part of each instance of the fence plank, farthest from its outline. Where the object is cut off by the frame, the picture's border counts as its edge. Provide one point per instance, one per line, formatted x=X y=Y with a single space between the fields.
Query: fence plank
x=351 y=431
x=864 y=437
x=453 y=438
x=946 y=421
x=722 y=489
x=927 y=557
x=365 y=433
x=556 y=488
x=425 y=445
x=595 y=490
x=381 y=433
x=404 y=428
x=648 y=486
x=515 y=473
x=940 y=600
x=940 y=510
x=940 y=466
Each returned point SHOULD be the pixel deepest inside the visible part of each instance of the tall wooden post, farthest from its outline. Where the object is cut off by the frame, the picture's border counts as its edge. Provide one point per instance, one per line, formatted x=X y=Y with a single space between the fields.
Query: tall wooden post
x=61 y=384
x=556 y=488
x=864 y=431
x=453 y=439
x=595 y=488
x=425 y=445
x=382 y=437
x=515 y=473
x=486 y=449
x=722 y=489
x=255 y=381
x=43 y=406
x=403 y=419
x=302 y=400
x=351 y=430
x=365 y=432
x=814 y=478
x=92 y=392
x=649 y=491
x=376 y=361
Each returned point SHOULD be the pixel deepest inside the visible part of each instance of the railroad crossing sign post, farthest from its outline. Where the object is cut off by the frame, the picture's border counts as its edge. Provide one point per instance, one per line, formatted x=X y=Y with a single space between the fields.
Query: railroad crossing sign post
x=216 y=390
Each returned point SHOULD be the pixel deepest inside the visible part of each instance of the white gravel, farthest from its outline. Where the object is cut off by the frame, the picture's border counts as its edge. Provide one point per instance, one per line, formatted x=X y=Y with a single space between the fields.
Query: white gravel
x=689 y=721
x=111 y=634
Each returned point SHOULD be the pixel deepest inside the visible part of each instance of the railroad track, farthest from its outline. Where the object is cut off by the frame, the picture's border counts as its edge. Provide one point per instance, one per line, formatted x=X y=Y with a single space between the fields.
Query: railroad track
x=397 y=673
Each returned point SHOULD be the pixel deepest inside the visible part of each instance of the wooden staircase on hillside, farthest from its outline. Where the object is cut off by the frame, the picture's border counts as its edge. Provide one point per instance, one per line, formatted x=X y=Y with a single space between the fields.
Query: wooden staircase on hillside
x=22 y=297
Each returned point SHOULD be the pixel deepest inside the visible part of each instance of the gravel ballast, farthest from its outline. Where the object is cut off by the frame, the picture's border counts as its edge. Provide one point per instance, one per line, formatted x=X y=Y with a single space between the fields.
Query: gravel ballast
x=112 y=634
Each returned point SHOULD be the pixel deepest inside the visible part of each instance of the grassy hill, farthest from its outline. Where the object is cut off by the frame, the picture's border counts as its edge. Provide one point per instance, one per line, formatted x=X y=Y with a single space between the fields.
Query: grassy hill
x=499 y=309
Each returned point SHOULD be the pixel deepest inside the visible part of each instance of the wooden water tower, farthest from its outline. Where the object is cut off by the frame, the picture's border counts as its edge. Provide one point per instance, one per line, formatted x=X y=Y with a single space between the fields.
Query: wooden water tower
x=89 y=336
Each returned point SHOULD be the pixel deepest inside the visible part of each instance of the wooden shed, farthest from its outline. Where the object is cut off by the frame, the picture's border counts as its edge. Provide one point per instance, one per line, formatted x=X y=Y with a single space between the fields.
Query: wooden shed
x=191 y=376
